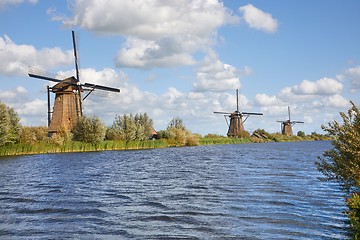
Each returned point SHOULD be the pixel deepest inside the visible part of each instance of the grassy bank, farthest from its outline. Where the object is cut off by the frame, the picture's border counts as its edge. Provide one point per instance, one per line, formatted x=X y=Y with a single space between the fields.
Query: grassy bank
x=73 y=146
x=43 y=147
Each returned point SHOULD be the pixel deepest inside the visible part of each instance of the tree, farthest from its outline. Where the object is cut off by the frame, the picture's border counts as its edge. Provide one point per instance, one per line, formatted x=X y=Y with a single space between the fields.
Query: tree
x=90 y=130
x=129 y=128
x=10 y=127
x=301 y=134
x=176 y=123
x=342 y=162
x=178 y=133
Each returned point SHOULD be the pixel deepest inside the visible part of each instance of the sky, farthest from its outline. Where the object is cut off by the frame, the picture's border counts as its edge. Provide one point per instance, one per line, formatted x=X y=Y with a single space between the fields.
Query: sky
x=186 y=58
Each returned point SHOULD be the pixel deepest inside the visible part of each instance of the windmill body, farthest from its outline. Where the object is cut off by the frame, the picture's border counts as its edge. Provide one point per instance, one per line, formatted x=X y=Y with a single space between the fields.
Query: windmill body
x=236 y=126
x=286 y=126
x=66 y=106
x=68 y=102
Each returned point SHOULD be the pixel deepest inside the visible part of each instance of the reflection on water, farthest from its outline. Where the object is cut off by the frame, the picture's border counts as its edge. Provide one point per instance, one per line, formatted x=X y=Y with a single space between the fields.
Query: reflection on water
x=246 y=191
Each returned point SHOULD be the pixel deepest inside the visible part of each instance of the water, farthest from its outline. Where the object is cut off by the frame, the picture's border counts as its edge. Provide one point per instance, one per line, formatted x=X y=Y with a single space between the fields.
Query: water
x=246 y=191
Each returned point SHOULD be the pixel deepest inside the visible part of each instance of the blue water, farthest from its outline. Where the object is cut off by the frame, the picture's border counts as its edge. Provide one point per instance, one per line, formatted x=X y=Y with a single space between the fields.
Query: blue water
x=246 y=191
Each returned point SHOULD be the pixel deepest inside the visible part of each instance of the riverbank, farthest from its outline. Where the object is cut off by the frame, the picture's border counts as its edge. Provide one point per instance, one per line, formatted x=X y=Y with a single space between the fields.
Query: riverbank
x=45 y=147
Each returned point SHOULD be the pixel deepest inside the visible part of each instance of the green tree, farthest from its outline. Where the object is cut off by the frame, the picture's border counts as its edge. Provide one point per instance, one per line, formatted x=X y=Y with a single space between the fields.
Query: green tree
x=129 y=128
x=342 y=162
x=90 y=130
x=301 y=134
x=178 y=133
x=10 y=127
x=176 y=123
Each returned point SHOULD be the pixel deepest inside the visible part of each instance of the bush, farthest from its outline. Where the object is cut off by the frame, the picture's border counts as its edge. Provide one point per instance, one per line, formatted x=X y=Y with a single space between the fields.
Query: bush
x=130 y=128
x=32 y=135
x=90 y=130
x=342 y=162
x=301 y=134
x=353 y=204
x=10 y=127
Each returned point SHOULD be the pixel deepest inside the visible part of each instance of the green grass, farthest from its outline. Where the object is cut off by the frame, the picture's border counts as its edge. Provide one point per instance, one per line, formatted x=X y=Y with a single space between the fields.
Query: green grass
x=74 y=146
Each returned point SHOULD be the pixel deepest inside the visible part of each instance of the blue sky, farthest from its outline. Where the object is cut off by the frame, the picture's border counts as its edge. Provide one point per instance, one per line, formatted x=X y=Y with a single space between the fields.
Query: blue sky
x=186 y=58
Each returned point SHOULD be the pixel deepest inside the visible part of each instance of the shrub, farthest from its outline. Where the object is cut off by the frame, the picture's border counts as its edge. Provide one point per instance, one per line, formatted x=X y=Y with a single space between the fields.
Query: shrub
x=10 y=127
x=90 y=130
x=342 y=162
x=130 y=128
x=301 y=134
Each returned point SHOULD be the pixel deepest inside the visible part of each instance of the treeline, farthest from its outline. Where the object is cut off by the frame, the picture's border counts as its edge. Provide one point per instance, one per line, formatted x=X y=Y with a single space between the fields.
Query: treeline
x=126 y=128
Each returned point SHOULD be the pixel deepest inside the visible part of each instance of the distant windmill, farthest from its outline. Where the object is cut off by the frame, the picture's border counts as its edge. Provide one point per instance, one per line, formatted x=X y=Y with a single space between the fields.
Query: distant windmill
x=286 y=126
x=236 y=119
x=68 y=102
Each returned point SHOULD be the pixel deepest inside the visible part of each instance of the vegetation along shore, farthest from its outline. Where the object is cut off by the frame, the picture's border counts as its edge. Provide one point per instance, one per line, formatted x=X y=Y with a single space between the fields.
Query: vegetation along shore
x=127 y=132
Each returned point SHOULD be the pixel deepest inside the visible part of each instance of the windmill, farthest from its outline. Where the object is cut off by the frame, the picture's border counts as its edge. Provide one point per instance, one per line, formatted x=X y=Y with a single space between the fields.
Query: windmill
x=286 y=126
x=68 y=101
x=236 y=126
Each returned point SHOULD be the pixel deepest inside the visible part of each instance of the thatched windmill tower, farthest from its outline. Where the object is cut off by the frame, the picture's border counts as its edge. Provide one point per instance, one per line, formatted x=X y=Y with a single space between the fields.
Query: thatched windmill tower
x=68 y=102
x=286 y=126
x=236 y=126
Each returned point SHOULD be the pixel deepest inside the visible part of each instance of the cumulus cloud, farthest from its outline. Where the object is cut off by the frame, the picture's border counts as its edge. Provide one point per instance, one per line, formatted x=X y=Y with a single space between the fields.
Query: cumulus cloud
x=324 y=86
x=336 y=101
x=158 y=33
x=140 y=53
x=354 y=75
x=263 y=99
x=258 y=19
x=15 y=59
x=150 y=19
x=12 y=94
x=216 y=76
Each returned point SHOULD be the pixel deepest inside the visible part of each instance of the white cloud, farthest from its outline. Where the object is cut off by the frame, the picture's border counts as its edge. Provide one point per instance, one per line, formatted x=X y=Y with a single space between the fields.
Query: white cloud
x=258 y=19
x=16 y=59
x=213 y=75
x=159 y=33
x=336 y=101
x=263 y=99
x=6 y=95
x=354 y=75
x=33 y=108
x=324 y=86
x=140 y=53
x=150 y=19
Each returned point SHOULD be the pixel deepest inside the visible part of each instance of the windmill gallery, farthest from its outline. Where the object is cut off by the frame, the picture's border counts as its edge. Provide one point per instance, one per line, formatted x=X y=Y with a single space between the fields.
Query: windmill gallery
x=68 y=104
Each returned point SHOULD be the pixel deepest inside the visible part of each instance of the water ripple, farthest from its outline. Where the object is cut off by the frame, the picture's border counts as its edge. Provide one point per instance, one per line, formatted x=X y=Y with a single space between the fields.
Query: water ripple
x=248 y=191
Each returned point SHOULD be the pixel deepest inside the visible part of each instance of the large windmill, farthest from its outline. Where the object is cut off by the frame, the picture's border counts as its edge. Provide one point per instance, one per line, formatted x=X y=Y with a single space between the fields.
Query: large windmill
x=286 y=126
x=68 y=101
x=236 y=126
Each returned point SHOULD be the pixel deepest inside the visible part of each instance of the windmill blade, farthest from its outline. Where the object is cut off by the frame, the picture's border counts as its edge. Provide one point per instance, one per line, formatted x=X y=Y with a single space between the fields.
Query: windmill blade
x=222 y=113
x=76 y=57
x=100 y=87
x=251 y=113
x=44 y=77
x=237 y=100
x=298 y=122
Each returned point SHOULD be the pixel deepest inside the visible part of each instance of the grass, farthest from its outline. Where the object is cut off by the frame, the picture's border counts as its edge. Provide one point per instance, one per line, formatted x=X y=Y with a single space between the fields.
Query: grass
x=42 y=147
